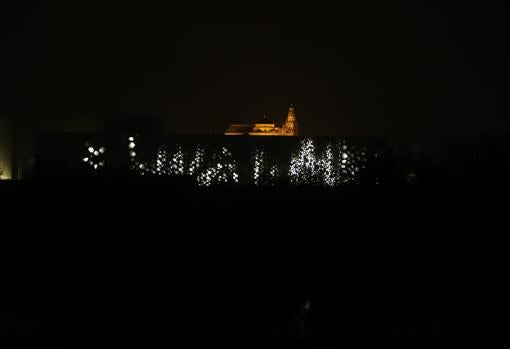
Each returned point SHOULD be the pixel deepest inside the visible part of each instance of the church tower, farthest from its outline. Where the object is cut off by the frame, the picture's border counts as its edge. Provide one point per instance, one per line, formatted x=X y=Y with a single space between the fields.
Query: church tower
x=291 y=126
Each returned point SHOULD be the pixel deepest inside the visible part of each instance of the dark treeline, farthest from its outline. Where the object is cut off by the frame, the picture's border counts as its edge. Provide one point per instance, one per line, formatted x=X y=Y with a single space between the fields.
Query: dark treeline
x=117 y=258
x=454 y=163
x=145 y=262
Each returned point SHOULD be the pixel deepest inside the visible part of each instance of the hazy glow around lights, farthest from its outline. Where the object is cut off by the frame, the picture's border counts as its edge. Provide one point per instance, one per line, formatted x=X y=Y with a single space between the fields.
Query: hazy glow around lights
x=314 y=163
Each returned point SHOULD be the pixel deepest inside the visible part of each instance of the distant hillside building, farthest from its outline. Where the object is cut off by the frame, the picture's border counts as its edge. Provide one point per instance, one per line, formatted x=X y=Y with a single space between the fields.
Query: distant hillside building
x=266 y=127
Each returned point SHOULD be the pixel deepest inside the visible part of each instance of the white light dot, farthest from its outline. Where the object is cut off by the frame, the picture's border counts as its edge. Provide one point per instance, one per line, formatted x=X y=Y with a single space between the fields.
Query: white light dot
x=131 y=145
x=133 y=154
x=91 y=150
x=101 y=150
x=131 y=139
x=85 y=159
x=96 y=153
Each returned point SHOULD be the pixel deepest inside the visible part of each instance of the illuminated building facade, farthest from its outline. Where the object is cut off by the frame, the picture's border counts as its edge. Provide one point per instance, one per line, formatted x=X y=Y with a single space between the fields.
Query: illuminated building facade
x=266 y=127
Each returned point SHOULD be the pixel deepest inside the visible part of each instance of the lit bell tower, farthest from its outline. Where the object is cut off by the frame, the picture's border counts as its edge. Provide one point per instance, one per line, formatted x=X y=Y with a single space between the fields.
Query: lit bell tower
x=291 y=126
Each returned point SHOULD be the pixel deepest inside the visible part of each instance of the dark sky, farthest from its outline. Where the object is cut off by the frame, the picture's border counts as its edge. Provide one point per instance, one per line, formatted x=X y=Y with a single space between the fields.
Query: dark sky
x=411 y=68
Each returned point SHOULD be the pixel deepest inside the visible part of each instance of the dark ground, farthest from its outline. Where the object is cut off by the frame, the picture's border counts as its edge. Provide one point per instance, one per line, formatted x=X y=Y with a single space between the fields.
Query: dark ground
x=146 y=264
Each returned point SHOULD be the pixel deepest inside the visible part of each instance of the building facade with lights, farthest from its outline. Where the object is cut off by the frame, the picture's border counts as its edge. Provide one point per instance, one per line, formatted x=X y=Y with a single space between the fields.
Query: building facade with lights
x=266 y=127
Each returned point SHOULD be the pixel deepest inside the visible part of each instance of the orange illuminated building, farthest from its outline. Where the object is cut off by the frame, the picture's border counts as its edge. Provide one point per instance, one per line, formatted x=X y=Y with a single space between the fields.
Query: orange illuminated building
x=266 y=127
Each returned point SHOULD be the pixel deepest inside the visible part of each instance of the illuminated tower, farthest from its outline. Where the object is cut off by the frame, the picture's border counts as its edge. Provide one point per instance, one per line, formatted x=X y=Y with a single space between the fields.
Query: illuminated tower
x=291 y=127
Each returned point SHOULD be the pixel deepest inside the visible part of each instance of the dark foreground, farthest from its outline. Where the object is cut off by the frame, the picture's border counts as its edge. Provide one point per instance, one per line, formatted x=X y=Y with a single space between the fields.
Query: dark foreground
x=88 y=264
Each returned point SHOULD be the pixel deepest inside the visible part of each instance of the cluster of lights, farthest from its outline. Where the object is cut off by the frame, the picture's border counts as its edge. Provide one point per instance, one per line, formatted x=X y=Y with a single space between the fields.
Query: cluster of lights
x=303 y=164
x=337 y=165
x=333 y=165
x=131 y=146
x=326 y=164
x=258 y=166
x=350 y=161
x=177 y=163
x=161 y=165
x=222 y=171
x=197 y=161
x=265 y=170
x=94 y=158
x=132 y=152
x=141 y=168
x=274 y=173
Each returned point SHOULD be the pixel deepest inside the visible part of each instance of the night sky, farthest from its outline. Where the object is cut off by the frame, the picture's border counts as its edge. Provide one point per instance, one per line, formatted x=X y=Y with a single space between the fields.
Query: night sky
x=411 y=261
x=358 y=68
